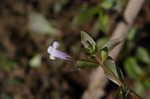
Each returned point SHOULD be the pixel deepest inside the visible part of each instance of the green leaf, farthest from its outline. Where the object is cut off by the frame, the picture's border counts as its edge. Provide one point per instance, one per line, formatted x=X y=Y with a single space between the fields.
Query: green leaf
x=85 y=15
x=132 y=33
x=88 y=42
x=101 y=42
x=146 y=83
x=103 y=54
x=143 y=55
x=111 y=70
x=113 y=4
x=107 y=4
x=102 y=22
x=107 y=48
x=36 y=61
x=86 y=64
x=132 y=68
x=139 y=87
x=112 y=44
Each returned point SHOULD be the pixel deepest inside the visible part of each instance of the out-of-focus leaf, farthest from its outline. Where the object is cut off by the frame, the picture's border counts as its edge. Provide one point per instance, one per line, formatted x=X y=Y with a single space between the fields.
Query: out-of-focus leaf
x=132 y=68
x=101 y=42
x=103 y=21
x=88 y=42
x=6 y=63
x=113 y=4
x=59 y=5
x=146 y=83
x=139 y=88
x=111 y=70
x=132 y=33
x=39 y=24
x=36 y=61
x=143 y=55
x=107 y=4
x=86 y=64
x=85 y=15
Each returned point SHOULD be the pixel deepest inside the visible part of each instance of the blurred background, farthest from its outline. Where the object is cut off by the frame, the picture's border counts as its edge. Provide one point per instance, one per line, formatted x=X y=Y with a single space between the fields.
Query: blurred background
x=28 y=27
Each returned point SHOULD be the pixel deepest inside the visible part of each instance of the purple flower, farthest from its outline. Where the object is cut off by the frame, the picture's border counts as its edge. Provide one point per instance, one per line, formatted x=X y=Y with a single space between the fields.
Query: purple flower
x=54 y=53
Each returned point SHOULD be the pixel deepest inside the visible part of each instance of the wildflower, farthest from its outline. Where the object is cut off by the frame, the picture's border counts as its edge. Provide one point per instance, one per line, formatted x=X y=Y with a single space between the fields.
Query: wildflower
x=54 y=53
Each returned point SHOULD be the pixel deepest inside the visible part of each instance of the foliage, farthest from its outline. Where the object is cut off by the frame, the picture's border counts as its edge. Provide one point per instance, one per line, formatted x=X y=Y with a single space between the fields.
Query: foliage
x=62 y=20
x=112 y=71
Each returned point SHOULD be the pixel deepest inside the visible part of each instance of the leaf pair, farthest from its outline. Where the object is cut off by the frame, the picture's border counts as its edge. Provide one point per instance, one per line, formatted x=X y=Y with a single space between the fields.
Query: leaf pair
x=108 y=64
x=104 y=51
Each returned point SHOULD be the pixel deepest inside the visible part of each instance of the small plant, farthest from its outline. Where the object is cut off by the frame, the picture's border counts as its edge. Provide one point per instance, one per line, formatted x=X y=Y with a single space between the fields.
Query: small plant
x=99 y=57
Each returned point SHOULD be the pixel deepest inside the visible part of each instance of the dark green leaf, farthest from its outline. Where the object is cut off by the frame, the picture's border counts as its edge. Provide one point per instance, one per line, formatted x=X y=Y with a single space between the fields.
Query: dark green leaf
x=86 y=64
x=143 y=55
x=146 y=83
x=85 y=15
x=132 y=68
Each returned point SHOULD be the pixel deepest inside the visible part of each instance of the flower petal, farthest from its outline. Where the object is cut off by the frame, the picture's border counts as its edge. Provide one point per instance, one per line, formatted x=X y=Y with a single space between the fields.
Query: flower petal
x=50 y=49
x=55 y=44
x=54 y=53
x=52 y=57
x=61 y=55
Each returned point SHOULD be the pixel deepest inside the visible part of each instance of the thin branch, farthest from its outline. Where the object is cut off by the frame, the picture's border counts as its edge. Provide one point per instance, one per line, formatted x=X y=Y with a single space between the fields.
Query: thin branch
x=97 y=79
x=122 y=28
